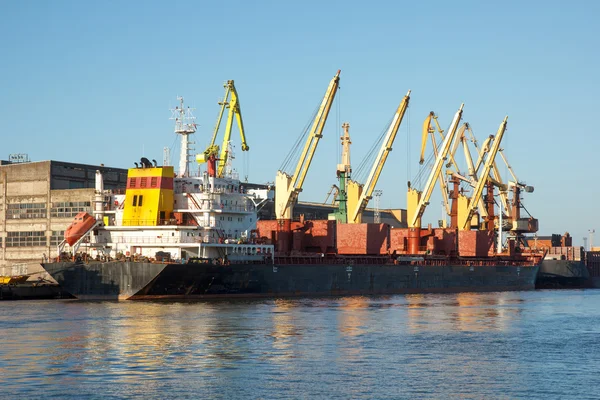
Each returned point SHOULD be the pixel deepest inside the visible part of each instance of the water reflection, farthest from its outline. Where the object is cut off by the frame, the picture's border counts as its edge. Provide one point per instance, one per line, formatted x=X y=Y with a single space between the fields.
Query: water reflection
x=469 y=312
x=420 y=346
x=352 y=323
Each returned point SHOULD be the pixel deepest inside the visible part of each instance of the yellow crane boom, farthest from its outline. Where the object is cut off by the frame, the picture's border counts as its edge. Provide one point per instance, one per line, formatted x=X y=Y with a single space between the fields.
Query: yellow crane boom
x=288 y=187
x=356 y=208
x=473 y=167
x=423 y=198
x=235 y=111
x=428 y=130
x=465 y=222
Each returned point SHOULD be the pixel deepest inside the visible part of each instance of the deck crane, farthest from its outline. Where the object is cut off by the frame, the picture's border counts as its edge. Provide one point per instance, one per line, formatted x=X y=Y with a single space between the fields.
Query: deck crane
x=464 y=219
x=510 y=218
x=212 y=151
x=359 y=195
x=344 y=169
x=517 y=224
x=288 y=187
x=498 y=179
x=418 y=201
x=429 y=130
x=333 y=193
x=472 y=170
x=494 y=177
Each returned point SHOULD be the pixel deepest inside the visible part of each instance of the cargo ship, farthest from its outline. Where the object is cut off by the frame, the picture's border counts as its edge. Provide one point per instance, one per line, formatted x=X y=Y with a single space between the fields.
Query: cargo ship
x=564 y=265
x=184 y=237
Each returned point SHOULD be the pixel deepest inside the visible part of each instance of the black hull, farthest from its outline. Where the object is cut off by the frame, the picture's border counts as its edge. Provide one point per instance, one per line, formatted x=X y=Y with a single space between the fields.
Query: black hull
x=562 y=274
x=130 y=280
x=106 y=281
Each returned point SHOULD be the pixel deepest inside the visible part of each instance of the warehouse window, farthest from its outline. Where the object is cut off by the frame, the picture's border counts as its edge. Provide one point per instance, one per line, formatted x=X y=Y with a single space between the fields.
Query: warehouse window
x=57 y=237
x=67 y=209
x=25 y=239
x=26 y=210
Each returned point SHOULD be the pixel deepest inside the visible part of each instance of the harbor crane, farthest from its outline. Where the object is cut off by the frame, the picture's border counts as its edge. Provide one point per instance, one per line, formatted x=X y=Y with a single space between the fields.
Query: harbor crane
x=211 y=154
x=359 y=195
x=288 y=187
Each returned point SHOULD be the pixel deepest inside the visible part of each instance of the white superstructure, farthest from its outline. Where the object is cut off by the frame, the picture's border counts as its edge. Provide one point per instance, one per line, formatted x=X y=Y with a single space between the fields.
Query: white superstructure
x=212 y=218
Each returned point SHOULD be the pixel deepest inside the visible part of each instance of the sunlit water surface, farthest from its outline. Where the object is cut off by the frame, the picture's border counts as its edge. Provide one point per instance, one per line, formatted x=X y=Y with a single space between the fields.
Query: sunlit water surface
x=542 y=344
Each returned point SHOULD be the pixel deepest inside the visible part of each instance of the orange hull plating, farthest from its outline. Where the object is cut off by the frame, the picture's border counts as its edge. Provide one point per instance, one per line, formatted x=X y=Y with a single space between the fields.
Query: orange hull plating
x=81 y=224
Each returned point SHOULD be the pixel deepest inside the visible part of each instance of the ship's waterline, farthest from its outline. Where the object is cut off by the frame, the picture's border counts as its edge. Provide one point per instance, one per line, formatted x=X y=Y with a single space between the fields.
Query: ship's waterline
x=131 y=280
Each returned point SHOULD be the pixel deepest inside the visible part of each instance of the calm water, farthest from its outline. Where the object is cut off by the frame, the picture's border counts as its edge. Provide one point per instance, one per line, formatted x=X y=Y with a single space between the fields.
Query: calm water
x=543 y=344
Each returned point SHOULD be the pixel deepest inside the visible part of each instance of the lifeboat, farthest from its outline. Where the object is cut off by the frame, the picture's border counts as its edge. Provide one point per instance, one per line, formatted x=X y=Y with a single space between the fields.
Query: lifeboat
x=82 y=223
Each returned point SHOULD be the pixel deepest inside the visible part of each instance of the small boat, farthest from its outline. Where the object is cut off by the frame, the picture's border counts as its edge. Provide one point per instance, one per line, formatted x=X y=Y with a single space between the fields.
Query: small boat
x=19 y=288
x=82 y=223
x=13 y=280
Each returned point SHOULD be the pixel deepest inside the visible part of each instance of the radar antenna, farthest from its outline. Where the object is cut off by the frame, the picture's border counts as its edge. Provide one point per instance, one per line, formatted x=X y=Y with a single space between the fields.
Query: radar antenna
x=184 y=126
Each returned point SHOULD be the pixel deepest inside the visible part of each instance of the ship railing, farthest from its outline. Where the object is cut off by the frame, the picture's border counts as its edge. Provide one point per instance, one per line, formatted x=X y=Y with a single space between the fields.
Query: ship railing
x=336 y=260
x=384 y=259
x=214 y=205
x=144 y=222
x=242 y=208
x=151 y=240
x=471 y=263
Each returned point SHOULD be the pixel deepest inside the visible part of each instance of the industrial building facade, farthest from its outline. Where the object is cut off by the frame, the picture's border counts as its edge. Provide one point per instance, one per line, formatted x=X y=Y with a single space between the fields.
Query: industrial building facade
x=38 y=200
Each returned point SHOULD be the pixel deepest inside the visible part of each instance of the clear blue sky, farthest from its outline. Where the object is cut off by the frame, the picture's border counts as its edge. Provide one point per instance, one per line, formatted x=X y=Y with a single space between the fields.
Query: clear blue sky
x=92 y=82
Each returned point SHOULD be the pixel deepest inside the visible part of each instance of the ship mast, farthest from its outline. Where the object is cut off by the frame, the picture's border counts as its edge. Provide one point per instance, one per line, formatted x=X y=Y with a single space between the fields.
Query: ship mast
x=184 y=126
